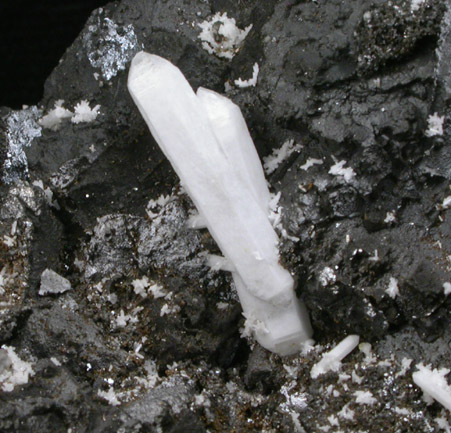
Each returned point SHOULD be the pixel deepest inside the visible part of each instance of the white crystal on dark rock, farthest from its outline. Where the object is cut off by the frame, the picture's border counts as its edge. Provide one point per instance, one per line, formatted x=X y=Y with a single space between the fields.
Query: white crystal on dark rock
x=206 y=139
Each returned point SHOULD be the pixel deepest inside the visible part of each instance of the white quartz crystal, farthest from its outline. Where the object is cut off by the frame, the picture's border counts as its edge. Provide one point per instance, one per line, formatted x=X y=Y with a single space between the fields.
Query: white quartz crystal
x=206 y=139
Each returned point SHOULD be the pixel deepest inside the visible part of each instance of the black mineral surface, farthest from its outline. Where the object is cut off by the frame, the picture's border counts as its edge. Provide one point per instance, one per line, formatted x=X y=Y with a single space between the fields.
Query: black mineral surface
x=351 y=118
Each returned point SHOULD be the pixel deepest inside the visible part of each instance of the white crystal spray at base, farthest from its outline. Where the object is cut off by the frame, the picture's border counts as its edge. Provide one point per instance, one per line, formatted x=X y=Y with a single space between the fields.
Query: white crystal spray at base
x=205 y=138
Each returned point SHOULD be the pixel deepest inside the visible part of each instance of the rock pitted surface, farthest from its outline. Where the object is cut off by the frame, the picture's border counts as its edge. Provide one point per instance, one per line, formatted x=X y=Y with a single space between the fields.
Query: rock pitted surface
x=148 y=338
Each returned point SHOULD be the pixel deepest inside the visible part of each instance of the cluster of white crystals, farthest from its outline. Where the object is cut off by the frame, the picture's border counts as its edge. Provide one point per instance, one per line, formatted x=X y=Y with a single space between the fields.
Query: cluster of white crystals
x=435 y=125
x=206 y=139
x=338 y=170
x=221 y=36
x=82 y=113
x=13 y=370
x=392 y=290
x=271 y=162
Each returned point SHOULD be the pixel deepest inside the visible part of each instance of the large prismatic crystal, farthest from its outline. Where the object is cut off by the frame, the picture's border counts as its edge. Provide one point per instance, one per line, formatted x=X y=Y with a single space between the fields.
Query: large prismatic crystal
x=206 y=139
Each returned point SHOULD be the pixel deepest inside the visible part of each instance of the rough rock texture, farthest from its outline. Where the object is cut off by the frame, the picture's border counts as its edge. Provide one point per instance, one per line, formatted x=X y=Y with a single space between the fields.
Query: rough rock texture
x=148 y=338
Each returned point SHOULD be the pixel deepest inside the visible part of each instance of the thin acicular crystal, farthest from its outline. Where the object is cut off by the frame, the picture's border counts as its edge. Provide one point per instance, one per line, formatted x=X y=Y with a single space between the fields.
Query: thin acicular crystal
x=331 y=361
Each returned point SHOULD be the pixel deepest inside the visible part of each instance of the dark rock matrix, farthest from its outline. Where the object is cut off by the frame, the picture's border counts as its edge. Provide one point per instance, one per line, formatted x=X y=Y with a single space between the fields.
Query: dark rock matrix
x=134 y=333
